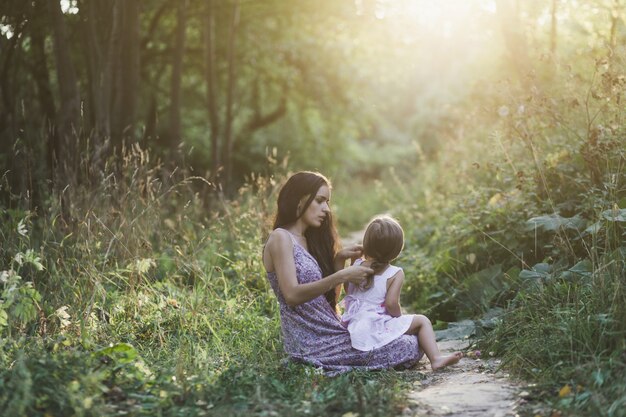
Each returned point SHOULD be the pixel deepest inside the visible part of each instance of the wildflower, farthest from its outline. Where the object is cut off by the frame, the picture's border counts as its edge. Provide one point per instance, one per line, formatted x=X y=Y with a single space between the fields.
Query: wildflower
x=31 y=257
x=474 y=354
x=565 y=391
x=503 y=111
x=63 y=316
x=21 y=228
x=143 y=265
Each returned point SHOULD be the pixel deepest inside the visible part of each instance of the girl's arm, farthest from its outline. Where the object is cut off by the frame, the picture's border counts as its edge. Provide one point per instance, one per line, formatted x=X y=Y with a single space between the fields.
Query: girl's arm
x=392 y=298
x=280 y=249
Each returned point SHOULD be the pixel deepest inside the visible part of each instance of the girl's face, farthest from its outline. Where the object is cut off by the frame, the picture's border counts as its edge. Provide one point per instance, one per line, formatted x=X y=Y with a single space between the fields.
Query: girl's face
x=319 y=208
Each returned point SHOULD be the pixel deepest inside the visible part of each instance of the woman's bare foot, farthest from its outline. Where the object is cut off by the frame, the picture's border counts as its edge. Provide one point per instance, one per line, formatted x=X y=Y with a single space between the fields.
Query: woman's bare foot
x=443 y=361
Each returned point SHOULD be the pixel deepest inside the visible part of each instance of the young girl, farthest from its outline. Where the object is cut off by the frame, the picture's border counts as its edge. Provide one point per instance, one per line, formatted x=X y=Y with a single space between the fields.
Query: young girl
x=372 y=310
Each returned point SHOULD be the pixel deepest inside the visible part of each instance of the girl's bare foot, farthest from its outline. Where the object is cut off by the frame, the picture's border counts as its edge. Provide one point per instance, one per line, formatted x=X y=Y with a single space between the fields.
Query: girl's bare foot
x=443 y=361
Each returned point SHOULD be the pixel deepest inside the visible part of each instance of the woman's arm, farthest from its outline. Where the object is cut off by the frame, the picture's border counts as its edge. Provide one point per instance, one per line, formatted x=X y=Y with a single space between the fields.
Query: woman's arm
x=280 y=249
x=392 y=299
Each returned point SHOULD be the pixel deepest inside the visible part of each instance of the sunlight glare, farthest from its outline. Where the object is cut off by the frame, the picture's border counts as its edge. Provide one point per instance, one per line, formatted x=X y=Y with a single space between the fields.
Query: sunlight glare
x=6 y=31
x=358 y=4
x=380 y=11
x=458 y=22
x=489 y=6
x=69 y=6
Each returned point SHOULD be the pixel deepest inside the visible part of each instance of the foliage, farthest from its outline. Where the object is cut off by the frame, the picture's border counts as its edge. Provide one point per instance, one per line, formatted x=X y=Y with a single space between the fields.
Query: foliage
x=532 y=219
x=147 y=304
x=130 y=286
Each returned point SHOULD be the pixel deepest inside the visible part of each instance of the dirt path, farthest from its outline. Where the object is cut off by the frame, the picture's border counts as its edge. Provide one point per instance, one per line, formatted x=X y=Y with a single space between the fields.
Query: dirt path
x=473 y=387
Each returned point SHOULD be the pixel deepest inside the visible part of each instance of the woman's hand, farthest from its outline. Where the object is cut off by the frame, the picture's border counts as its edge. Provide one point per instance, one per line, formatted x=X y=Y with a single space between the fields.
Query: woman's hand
x=353 y=253
x=356 y=274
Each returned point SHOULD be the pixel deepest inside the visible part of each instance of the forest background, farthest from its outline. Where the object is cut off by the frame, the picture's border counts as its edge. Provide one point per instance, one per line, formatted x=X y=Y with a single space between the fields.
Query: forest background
x=143 y=144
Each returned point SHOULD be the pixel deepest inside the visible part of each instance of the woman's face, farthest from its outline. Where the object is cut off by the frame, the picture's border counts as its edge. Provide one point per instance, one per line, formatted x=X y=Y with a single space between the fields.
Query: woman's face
x=319 y=208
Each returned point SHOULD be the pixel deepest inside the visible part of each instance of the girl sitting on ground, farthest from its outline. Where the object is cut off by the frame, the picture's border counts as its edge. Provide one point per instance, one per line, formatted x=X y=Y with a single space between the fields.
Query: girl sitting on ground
x=372 y=312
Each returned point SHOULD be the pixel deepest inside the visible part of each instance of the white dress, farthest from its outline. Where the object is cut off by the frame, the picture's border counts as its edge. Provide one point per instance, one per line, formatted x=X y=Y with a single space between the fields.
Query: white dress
x=367 y=320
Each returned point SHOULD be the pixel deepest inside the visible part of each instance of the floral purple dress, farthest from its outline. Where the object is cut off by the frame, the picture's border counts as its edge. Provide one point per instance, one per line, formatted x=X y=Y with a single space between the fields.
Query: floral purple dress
x=313 y=333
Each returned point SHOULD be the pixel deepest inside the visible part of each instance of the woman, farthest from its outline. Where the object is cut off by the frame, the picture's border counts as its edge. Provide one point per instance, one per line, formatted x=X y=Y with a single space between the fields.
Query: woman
x=306 y=272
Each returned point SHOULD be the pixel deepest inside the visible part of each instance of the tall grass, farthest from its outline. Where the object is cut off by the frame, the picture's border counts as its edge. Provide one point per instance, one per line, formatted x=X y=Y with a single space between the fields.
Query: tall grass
x=145 y=295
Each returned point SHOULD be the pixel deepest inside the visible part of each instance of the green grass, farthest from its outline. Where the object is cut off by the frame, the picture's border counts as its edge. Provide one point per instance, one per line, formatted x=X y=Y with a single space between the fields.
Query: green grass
x=570 y=333
x=143 y=302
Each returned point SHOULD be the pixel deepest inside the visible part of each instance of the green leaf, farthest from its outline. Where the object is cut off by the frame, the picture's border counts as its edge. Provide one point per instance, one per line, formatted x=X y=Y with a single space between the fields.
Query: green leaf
x=594 y=228
x=4 y=318
x=554 y=222
x=24 y=310
x=539 y=271
x=482 y=286
x=31 y=257
x=584 y=268
x=615 y=215
x=124 y=352
x=598 y=377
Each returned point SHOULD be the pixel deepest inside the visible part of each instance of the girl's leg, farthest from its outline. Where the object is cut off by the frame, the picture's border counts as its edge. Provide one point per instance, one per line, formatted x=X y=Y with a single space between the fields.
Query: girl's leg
x=422 y=327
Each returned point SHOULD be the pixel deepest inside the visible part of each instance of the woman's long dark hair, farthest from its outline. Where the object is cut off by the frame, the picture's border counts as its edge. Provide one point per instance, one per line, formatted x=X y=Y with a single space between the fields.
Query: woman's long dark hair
x=322 y=241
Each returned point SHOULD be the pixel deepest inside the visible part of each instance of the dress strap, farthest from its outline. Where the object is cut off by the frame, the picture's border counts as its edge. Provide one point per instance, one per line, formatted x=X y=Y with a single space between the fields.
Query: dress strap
x=391 y=271
x=293 y=239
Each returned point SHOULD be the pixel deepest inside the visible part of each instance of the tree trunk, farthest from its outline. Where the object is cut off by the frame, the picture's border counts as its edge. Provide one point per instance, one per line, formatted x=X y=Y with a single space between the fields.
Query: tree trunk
x=515 y=41
x=41 y=75
x=553 y=28
x=7 y=88
x=100 y=69
x=615 y=18
x=10 y=62
x=69 y=112
x=177 y=72
x=114 y=67
x=128 y=71
x=211 y=81
x=228 y=135
x=42 y=81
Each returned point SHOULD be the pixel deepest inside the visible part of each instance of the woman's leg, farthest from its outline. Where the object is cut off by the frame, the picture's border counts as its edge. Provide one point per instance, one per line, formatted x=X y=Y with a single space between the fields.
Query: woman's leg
x=422 y=327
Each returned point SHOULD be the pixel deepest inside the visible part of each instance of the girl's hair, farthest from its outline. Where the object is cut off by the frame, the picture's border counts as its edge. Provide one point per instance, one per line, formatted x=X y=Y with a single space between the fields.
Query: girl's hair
x=322 y=241
x=383 y=242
